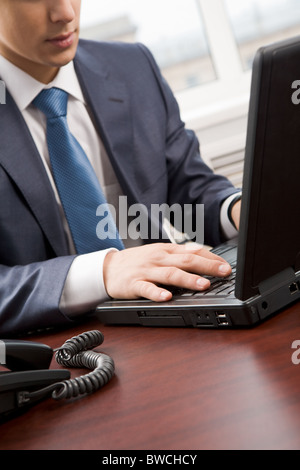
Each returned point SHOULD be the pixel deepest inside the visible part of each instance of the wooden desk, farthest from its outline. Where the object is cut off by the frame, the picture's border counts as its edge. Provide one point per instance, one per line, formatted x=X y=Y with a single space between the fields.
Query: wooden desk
x=178 y=389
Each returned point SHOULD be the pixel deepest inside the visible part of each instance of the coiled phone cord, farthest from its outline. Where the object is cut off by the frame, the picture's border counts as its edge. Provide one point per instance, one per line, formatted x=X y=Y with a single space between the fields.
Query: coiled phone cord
x=76 y=352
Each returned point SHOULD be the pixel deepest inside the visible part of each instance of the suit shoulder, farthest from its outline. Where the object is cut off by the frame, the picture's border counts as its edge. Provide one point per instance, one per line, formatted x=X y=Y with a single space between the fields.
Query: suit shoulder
x=114 y=50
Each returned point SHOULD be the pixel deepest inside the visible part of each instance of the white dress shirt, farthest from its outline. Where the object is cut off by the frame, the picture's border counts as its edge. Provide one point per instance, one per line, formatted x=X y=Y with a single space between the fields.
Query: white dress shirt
x=84 y=287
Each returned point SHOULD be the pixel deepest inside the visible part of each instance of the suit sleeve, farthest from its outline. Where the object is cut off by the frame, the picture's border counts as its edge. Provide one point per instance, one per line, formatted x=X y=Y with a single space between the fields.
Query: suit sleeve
x=190 y=180
x=30 y=296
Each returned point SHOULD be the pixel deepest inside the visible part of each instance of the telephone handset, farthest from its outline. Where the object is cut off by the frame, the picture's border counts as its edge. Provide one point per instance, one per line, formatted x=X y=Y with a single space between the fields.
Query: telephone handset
x=30 y=379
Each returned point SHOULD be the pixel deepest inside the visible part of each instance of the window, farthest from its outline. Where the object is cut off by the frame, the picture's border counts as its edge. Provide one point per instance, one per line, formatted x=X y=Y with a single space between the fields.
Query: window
x=257 y=22
x=205 y=49
x=172 y=29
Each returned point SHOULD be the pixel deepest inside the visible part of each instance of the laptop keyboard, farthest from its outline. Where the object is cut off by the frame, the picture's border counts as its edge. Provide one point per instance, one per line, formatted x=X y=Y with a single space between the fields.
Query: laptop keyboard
x=222 y=287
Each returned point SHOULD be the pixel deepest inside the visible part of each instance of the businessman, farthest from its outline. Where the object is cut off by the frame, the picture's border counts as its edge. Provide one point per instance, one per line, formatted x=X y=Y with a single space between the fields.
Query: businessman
x=69 y=100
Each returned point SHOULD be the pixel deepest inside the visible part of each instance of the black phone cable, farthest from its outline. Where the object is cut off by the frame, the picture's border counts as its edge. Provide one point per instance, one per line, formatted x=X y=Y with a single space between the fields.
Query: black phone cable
x=76 y=352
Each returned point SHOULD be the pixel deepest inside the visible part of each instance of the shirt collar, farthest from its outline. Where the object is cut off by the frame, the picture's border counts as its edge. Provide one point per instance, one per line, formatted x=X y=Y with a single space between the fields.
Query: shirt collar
x=24 y=88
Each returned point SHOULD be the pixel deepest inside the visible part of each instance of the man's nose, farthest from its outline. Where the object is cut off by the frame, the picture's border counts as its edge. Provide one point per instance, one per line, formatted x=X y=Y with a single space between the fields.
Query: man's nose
x=62 y=11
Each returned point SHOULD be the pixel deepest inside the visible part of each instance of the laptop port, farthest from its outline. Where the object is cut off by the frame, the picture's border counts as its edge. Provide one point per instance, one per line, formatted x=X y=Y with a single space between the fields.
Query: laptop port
x=203 y=320
x=222 y=322
x=221 y=315
x=222 y=318
x=294 y=288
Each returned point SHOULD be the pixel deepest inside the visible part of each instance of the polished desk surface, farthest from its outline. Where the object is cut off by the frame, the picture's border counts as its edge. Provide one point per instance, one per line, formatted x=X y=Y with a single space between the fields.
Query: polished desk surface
x=177 y=389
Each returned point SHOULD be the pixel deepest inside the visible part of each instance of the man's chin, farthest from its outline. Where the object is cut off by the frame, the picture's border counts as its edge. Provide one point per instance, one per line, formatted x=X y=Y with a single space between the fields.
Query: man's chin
x=58 y=57
x=62 y=59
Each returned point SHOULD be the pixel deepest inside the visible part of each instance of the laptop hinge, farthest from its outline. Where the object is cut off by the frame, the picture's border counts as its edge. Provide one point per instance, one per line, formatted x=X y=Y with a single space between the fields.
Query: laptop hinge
x=280 y=279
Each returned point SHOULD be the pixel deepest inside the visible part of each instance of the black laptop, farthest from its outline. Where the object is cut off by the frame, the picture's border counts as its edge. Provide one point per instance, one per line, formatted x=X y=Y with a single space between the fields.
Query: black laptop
x=266 y=257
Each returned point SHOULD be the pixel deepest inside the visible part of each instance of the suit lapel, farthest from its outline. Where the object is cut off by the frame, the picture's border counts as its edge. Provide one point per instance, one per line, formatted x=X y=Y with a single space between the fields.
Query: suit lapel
x=21 y=160
x=108 y=99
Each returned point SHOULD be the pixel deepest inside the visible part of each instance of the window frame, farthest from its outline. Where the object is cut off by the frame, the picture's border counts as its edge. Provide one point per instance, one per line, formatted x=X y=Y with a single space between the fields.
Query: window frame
x=229 y=93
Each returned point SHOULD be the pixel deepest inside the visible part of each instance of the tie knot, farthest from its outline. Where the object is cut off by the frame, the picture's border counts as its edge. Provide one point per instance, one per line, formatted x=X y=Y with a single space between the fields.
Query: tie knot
x=52 y=102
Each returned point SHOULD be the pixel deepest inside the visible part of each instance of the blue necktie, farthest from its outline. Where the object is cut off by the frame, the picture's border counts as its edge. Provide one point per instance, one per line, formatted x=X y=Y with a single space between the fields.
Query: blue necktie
x=75 y=179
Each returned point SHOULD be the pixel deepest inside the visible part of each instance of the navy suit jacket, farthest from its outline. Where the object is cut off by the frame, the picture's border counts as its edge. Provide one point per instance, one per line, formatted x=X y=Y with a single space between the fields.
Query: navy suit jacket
x=154 y=157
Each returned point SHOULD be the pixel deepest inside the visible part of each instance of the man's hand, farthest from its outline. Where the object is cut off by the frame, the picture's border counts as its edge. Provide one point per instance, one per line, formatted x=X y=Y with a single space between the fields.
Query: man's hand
x=142 y=271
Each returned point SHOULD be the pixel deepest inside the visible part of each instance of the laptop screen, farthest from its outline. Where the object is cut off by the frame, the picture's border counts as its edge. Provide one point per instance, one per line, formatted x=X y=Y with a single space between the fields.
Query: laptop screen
x=270 y=222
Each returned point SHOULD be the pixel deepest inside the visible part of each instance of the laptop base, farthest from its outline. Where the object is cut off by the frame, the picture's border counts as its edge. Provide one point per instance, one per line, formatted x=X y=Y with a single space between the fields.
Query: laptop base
x=221 y=312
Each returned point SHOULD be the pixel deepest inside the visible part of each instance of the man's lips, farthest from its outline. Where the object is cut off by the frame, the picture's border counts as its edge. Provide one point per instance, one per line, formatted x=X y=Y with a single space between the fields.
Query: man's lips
x=63 y=40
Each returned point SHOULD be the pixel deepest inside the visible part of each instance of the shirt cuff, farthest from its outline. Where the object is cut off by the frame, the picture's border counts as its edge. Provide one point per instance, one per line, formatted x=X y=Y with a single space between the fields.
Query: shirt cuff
x=228 y=228
x=84 y=288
